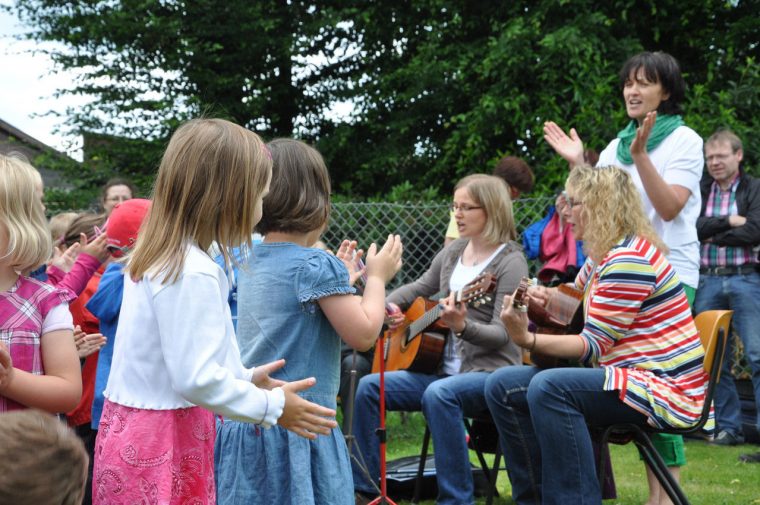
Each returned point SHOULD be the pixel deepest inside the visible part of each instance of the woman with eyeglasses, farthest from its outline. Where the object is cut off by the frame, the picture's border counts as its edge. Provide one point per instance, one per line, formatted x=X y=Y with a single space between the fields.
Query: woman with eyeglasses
x=638 y=330
x=665 y=160
x=476 y=341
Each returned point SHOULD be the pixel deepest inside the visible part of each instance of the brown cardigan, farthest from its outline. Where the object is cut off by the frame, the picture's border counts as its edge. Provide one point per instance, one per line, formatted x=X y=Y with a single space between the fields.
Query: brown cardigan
x=485 y=344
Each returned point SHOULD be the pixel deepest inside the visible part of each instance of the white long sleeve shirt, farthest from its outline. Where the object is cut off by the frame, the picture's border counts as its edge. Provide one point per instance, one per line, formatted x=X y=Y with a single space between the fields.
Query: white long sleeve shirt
x=175 y=347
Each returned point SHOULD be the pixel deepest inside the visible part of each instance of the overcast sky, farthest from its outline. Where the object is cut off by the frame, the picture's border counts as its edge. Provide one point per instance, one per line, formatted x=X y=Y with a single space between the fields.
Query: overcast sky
x=26 y=91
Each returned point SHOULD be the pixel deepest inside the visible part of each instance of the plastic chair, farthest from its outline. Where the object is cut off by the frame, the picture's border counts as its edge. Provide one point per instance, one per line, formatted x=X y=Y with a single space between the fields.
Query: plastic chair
x=713 y=332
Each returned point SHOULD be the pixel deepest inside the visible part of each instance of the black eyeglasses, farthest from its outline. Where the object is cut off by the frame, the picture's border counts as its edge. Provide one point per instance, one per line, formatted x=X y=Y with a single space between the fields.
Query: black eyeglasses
x=464 y=207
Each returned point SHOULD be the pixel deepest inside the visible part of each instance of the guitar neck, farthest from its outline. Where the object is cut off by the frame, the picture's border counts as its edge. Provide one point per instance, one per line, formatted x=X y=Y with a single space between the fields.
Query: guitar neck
x=428 y=318
x=473 y=292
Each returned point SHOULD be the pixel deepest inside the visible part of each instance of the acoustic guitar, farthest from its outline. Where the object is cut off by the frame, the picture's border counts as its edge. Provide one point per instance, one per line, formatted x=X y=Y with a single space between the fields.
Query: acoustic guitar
x=562 y=315
x=412 y=346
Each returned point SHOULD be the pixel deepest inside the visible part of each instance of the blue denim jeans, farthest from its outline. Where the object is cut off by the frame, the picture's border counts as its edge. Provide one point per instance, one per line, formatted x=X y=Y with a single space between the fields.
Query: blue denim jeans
x=740 y=293
x=542 y=418
x=444 y=400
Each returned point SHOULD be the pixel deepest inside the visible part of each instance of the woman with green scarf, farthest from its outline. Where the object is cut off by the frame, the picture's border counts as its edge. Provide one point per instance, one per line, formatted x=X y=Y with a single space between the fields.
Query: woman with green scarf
x=665 y=159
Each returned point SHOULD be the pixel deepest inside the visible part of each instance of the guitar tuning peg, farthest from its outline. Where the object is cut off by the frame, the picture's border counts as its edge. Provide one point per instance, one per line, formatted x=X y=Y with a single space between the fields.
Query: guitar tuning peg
x=488 y=298
x=476 y=304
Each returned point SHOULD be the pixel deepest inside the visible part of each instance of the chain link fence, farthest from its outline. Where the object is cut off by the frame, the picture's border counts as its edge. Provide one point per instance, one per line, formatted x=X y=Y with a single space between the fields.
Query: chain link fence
x=422 y=227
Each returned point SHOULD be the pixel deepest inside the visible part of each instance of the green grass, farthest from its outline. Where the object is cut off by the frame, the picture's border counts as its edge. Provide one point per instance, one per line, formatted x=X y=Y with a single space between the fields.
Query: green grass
x=713 y=475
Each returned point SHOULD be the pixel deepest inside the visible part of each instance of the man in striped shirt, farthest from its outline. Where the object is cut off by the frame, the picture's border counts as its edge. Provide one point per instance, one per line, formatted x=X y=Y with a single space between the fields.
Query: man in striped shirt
x=729 y=232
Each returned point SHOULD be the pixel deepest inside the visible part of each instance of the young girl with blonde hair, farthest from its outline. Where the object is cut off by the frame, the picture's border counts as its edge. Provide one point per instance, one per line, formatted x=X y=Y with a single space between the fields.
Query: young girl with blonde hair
x=175 y=357
x=38 y=360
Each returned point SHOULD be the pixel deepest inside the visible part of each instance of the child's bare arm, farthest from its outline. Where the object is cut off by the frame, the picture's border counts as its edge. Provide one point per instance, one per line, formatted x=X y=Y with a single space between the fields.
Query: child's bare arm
x=60 y=389
x=6 y=366
x=358 y=320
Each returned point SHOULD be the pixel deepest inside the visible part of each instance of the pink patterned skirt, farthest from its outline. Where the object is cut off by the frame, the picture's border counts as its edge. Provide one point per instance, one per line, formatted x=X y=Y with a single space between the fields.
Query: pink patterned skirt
x=154 y=457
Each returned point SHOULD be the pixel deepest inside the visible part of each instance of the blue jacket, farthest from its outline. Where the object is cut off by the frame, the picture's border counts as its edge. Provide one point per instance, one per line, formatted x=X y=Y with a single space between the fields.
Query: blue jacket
x=532 y=239
x=105 y=304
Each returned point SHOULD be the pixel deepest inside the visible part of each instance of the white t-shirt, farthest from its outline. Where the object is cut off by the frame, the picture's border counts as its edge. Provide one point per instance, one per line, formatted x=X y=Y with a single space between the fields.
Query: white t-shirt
x=175 y=347
x=460 y=277
x=679 y=159
x=58 y=318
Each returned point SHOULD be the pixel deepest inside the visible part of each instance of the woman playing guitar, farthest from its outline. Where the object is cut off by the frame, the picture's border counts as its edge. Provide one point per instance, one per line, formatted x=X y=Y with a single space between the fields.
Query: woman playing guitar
x=638 y=329
x=477 y=342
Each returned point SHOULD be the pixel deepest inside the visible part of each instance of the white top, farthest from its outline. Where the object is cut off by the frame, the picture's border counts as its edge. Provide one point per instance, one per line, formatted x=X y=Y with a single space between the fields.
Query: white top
x=175 y=348
x=58 y=318
x=460 y=277
x=679 y=159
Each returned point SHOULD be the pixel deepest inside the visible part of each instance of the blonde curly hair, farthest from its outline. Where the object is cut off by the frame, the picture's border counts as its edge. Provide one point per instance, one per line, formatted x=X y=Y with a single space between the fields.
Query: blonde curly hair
x=611 y=209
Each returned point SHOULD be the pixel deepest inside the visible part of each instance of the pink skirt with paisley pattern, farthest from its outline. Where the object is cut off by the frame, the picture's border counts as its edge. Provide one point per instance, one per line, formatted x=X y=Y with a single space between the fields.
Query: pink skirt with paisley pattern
x=154 y=457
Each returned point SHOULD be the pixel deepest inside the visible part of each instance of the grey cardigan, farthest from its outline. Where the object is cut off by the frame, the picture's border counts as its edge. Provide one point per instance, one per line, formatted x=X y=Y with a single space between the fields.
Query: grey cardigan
x=485 y=344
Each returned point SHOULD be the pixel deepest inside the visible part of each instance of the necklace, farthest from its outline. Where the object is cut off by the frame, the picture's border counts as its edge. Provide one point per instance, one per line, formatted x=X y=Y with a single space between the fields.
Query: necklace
x=476 y=257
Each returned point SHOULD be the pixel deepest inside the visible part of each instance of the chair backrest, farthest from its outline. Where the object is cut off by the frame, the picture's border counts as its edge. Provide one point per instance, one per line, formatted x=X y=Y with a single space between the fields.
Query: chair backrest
x=713 y=332
x=709 y=325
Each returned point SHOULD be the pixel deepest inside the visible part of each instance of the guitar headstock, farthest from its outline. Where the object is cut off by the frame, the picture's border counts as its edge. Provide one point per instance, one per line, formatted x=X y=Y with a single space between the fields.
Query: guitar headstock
x=477 y=291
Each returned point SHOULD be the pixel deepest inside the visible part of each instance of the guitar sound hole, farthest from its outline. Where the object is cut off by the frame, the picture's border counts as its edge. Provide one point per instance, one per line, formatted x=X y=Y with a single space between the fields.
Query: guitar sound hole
x=408 y=337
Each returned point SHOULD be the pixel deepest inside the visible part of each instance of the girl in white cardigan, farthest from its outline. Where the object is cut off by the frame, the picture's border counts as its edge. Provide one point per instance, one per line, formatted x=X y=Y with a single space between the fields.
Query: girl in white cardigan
x=176 y=361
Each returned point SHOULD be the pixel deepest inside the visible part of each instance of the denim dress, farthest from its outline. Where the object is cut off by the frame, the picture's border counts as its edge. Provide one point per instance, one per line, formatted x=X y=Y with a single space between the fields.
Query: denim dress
x=279 y=317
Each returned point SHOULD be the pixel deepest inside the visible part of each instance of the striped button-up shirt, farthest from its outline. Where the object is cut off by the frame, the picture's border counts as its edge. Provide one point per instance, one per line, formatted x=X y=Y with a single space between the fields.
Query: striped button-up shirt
x=640 y=330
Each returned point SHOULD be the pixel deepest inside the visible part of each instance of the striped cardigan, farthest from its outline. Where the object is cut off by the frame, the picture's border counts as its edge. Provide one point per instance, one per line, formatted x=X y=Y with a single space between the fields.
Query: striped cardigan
x=640 y=330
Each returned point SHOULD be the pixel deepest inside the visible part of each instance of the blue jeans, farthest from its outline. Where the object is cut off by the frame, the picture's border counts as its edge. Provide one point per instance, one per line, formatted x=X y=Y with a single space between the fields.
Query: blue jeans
x=444 y=400
x=740 y=293
x=542 y=418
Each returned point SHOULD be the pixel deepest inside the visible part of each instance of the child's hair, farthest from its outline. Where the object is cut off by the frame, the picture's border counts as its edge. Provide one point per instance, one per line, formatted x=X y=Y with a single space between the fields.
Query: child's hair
x=516 y=173
x=58 y=225
x=42 y=462
x=299 y=196
x=88 y=223
x=22 y=214
x=210 y=181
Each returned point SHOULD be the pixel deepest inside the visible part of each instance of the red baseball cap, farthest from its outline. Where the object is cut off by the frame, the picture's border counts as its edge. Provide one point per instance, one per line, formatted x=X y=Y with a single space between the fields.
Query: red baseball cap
x=124 y=223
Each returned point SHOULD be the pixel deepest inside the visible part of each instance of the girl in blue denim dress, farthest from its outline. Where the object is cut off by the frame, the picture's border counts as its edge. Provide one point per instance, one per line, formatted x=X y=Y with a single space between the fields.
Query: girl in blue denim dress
x=296 y=302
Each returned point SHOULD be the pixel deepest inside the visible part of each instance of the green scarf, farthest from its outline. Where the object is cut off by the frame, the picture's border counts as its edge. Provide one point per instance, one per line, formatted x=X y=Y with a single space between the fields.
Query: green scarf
x=663 y=127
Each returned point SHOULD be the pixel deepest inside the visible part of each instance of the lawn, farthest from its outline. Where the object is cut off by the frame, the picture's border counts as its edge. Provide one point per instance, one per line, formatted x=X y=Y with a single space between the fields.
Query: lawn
x=713 y=476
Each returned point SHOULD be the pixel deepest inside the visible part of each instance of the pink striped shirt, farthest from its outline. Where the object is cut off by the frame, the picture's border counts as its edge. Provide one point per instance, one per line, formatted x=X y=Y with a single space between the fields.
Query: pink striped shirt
x=23 y=309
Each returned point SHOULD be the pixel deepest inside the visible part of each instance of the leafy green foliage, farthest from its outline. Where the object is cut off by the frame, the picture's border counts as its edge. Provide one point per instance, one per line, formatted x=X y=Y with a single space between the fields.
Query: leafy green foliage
x=439 y=88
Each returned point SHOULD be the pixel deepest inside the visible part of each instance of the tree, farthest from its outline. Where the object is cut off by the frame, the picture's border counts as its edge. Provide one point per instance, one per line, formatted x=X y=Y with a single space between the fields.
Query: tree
x=149 y=65
x=440 y=88
x=448 y=87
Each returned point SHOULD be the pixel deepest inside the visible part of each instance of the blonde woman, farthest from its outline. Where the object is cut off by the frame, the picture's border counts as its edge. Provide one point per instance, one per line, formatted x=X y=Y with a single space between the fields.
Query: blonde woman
x=638 y=330
x=477 y=342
